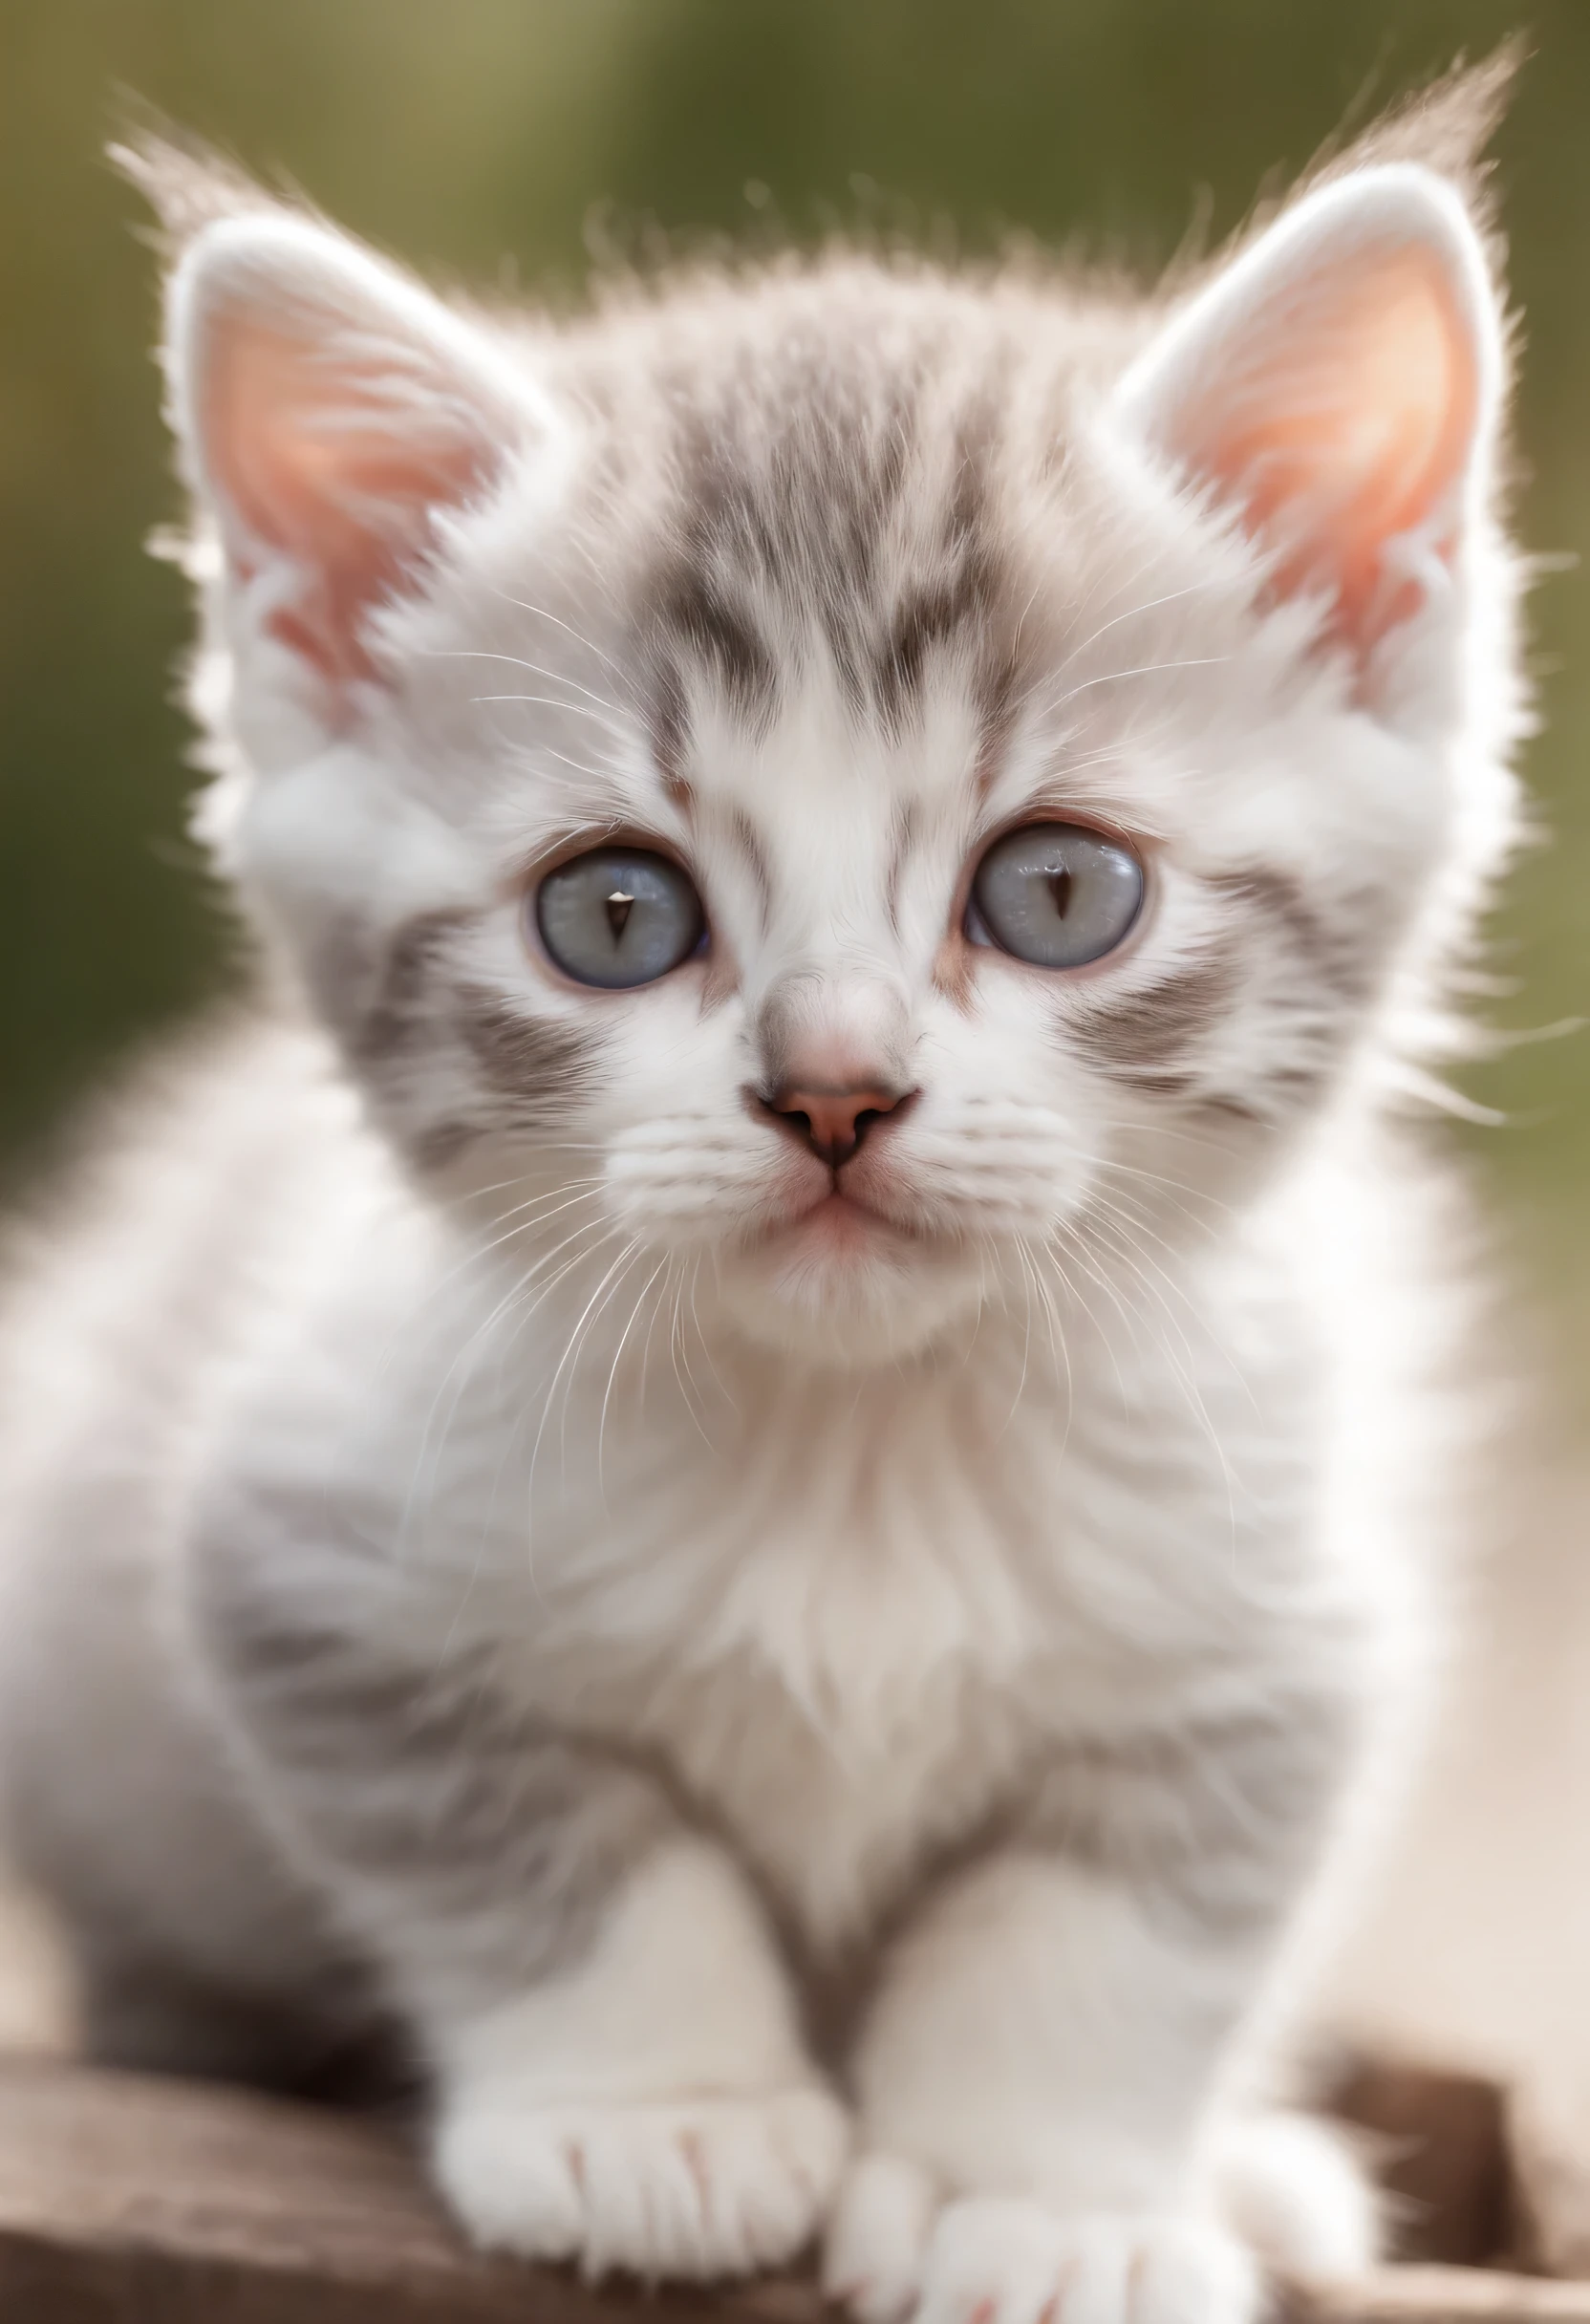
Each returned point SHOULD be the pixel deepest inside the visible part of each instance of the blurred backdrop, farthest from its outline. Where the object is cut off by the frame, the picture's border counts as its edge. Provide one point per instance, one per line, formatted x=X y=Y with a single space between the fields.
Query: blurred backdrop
x=505 y=140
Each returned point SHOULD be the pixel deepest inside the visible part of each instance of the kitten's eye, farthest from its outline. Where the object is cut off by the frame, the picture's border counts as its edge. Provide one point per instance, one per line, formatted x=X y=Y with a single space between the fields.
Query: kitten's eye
x=618 y=916
x=1054 y=894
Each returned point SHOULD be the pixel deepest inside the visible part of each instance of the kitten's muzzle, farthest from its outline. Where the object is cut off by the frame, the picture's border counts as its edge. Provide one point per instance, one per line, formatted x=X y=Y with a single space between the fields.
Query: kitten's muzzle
x=832 y=1123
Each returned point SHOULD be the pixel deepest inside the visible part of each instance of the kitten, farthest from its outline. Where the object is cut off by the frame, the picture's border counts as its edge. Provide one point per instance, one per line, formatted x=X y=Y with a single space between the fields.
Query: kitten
x=747 y=1459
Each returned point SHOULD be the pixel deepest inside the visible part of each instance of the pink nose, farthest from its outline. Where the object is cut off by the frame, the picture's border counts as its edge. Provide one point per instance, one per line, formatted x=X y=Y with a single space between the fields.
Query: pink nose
x=833 y=1122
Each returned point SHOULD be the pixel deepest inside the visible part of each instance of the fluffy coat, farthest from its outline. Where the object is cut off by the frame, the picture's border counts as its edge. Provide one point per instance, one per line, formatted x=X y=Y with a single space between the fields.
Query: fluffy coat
x=812 y=1698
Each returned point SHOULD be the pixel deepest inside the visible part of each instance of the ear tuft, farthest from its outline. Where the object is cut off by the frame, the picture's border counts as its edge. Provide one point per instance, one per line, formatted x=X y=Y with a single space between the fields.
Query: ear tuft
x=329 y=409
x=1337 y=386
x=1445 y=127
x=187 y=183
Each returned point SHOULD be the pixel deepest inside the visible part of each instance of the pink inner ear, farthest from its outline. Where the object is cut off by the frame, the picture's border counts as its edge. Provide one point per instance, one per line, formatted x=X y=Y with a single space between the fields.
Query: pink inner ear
x=1345 y=423
x=338 y=466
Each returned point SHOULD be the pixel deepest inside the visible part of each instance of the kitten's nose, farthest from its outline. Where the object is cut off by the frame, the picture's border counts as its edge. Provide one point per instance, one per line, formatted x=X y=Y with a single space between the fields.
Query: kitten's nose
x=833 y=1122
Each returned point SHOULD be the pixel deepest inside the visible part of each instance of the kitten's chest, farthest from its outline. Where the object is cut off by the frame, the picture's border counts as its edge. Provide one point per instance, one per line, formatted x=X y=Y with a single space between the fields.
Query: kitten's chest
x=847 y=1644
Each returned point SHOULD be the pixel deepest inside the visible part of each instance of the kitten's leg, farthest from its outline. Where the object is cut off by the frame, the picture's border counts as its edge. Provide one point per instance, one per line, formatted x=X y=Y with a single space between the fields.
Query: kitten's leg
x=619 y=2077
x=1037 y=2078
x=650 y=2108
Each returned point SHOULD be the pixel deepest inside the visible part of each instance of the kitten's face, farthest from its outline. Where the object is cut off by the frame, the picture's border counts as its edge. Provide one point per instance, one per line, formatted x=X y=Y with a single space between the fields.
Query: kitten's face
x=843 y=826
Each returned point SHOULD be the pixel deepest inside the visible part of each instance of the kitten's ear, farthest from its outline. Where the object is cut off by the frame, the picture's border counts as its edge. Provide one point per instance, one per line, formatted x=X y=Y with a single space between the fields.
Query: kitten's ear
x=1337 y=386
x=329 y=409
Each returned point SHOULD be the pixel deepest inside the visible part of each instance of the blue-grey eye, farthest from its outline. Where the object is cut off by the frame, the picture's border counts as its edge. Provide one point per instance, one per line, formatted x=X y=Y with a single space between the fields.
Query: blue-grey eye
x=1056 y=894
x=618 y=916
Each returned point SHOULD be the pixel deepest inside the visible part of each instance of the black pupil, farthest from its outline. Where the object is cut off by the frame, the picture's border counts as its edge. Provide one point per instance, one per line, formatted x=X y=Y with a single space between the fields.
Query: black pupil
x=619 y=907
x=1059 y=888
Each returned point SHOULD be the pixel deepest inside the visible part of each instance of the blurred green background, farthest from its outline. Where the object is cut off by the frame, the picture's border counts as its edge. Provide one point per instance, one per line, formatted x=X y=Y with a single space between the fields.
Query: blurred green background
x=504 y=140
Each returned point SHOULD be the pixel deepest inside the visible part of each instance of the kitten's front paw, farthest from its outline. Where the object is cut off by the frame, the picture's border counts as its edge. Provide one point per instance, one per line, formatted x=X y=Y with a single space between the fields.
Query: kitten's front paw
x=1295 y=2192
x=692 y=2187
x=986 y=2259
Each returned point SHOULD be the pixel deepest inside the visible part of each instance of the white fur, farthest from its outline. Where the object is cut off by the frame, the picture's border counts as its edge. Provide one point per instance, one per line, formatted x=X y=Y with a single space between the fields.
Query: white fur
x=1296 y=2194
x=1282 y=2185
x=973 y=2066
x=990 y=2254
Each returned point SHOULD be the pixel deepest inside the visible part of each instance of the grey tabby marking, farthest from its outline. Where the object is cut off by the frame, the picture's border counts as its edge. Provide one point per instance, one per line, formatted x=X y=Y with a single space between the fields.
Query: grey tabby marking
x=545 y=1069
x=1211 y=1823
x=399 y=1021
x=528 y=1074
x=1341 y=950
x=1149 y=1040
x=475 y=1821
x=802 y=504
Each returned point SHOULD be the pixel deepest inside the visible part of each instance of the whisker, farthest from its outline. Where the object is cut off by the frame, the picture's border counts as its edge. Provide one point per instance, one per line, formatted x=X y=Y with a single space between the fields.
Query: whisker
x=617 y=1358
x=541 y=613
x=1146 y=669
x=1132 y=612
x=544 y=701
x=463 y=1367
x=1186 y=1374
x=570 y=1345
x=518 y=661
x=584 y=1334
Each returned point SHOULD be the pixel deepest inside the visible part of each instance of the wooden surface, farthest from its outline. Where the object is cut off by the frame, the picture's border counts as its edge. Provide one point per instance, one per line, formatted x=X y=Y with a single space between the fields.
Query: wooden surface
x=139 y=2201
x=1448 y=2295
x=1550 y=2143
x=132 y=2202
x=1440 y=2146
x=126 y=2201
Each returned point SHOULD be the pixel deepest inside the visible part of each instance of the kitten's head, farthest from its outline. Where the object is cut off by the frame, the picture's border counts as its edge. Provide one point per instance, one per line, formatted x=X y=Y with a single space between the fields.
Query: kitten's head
x=900 y=788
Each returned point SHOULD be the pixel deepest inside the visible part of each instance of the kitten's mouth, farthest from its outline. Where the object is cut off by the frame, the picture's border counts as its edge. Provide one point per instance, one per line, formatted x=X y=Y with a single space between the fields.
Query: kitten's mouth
x=839 y=1222
x=841 y=1276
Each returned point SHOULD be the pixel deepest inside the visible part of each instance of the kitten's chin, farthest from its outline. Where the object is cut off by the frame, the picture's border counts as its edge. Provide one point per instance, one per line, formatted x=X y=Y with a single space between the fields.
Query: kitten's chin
x=843 y=1288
